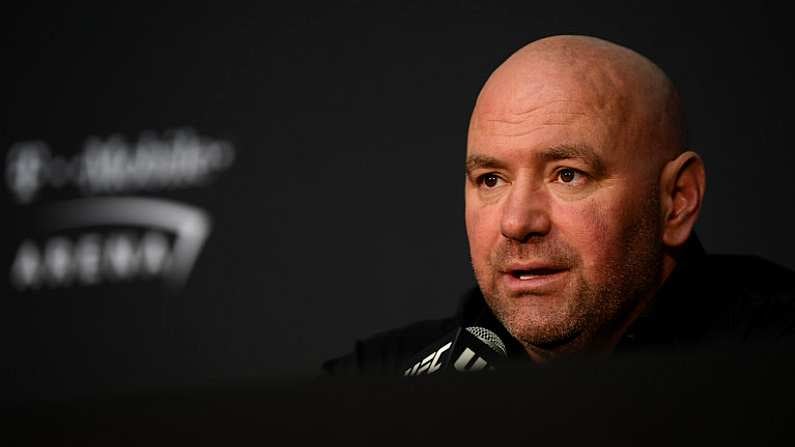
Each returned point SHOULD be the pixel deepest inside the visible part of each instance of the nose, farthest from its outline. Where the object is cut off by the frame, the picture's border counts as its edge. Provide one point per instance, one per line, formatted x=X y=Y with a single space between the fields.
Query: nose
x=525 y=214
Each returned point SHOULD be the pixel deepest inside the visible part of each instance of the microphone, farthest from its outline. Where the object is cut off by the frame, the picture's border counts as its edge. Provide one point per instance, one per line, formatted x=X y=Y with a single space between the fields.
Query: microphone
x=471 y=348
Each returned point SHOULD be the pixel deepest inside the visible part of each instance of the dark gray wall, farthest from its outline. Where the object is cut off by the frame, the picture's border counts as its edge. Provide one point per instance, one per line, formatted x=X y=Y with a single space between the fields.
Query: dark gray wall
x=342 y=214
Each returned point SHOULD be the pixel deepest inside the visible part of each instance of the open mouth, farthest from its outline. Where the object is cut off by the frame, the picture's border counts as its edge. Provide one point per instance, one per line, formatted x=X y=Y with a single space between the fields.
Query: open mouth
x=535 y=273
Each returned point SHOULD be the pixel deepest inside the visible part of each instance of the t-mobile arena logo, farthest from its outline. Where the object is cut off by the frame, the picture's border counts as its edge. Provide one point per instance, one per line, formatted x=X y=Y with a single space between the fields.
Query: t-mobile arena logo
x=166 y=244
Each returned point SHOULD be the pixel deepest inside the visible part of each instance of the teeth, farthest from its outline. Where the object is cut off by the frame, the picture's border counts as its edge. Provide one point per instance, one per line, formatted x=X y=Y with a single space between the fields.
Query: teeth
x=530 y=274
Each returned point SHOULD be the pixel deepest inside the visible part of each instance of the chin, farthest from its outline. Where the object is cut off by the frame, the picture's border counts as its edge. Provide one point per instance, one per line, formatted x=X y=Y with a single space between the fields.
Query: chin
x=543 y=333
x=538 y=320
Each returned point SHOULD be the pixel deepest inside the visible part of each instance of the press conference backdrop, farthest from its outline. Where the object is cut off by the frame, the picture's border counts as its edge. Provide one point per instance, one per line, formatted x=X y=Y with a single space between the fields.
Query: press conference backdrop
x=217 y=193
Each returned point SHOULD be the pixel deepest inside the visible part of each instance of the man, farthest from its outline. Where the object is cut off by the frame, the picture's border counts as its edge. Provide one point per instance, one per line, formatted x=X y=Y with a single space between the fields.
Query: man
x=581 y=198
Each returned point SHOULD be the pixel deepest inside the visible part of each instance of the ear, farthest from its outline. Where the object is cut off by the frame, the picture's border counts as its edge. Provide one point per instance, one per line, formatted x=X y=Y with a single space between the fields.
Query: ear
x=683 y=182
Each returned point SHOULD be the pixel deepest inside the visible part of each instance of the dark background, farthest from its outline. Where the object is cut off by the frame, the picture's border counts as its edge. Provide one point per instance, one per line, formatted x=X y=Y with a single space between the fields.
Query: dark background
x=343 y=212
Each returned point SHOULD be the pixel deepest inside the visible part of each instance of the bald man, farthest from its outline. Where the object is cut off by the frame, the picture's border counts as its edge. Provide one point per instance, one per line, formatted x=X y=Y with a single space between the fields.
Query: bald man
x=581 y=197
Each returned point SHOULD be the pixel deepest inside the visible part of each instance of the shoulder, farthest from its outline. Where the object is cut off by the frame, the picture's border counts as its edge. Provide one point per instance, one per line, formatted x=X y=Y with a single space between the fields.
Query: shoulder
x=754 y=279
x=752 y=273
x=759 y=294
x=387 y=351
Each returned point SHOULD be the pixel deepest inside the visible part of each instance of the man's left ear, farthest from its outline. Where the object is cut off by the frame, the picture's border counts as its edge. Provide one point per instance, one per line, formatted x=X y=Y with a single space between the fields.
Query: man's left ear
x=683 y=182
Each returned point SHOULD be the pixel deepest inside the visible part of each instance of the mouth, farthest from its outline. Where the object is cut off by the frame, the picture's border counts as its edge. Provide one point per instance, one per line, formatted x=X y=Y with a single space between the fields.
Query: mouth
x=529 y=274
x=535 y=279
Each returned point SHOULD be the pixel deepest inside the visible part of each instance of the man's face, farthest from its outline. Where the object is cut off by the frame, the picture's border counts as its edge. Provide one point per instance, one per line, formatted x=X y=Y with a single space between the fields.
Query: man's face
x=562 y=211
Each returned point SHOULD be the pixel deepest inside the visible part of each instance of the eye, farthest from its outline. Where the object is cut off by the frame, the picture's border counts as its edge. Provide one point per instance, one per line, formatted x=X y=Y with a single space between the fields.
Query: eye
x=568 y=175
x=489 y=180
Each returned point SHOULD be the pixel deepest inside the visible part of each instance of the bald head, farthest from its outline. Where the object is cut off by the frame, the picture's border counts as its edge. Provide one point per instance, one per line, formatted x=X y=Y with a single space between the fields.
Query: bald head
x=630 y=96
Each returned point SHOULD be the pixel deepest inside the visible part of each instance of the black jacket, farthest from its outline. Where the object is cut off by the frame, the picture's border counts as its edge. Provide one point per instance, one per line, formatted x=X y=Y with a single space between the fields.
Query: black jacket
x=708 y=301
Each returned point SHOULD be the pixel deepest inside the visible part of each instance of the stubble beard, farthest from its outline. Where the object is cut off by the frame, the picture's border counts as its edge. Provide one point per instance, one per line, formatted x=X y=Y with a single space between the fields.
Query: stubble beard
x=592 y=311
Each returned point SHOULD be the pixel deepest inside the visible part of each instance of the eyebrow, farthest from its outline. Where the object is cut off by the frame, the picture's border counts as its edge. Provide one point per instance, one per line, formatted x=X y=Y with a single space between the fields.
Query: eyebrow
x=582 y=152
x=556 y=153
x=476 y=161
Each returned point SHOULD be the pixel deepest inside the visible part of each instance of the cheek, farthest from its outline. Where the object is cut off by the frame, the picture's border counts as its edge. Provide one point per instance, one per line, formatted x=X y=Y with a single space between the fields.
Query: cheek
x=594 y=231
x=482 y=225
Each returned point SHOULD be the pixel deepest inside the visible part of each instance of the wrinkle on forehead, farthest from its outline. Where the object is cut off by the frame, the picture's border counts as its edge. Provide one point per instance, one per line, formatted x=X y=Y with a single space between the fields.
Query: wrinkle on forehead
x=520 y=116
x=514 y=128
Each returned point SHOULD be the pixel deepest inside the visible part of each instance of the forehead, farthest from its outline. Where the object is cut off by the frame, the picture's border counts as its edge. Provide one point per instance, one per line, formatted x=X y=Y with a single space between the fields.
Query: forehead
x=556 y=123
x=549 y=107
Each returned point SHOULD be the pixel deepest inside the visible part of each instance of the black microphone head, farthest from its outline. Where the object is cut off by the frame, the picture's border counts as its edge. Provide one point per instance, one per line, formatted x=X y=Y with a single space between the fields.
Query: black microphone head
x=489 y=338
x=471 y=348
